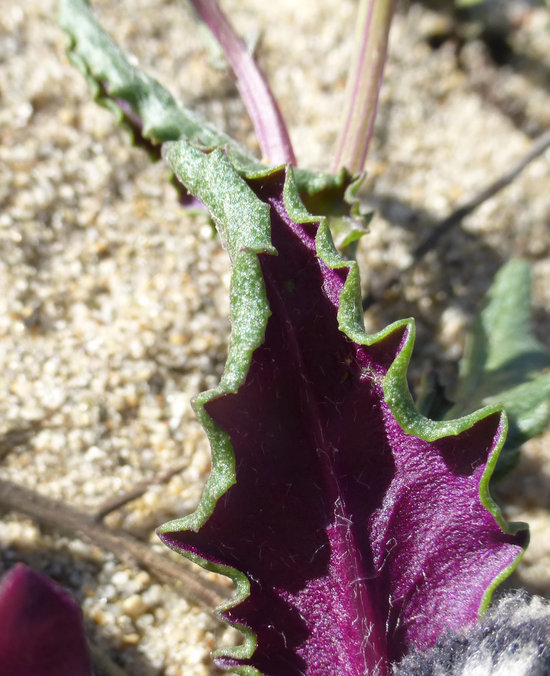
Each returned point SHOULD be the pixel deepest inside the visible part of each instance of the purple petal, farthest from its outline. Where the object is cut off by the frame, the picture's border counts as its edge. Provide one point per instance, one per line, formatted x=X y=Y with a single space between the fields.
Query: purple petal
x=41 y=628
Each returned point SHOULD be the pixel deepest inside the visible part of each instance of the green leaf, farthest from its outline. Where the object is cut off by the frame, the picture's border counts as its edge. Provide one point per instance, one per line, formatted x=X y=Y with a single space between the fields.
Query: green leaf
x=152 y=116
x=139 y=102
x=504 y=364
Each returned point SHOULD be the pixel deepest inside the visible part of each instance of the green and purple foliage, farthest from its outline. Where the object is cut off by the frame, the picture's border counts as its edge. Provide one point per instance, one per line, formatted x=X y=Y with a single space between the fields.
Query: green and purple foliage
x=355 y=529
x=363 y=530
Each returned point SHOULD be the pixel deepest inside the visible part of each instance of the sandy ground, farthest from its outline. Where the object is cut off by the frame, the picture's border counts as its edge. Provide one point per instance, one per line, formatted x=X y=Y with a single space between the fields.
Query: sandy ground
x=113 y=301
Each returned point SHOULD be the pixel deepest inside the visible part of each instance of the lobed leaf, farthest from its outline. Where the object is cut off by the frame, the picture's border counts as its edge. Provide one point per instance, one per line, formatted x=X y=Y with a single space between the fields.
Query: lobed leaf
x=355 y=529
x=152 y=116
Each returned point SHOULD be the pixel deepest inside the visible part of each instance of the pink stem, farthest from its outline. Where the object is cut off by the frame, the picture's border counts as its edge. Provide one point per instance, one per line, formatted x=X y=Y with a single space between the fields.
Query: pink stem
x=364 y=83
x=255 y=92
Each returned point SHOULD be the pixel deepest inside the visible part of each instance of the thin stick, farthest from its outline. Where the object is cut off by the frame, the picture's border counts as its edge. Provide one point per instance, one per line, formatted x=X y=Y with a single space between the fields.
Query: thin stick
x=538 y=147
x=22 y=432
x=136 y=492
x=124 y=546
x=102 y=664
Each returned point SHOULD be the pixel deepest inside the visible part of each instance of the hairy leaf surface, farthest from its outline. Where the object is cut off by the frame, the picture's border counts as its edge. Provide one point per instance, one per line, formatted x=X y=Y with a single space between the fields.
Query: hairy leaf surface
x=152 y=116
x=354 y=528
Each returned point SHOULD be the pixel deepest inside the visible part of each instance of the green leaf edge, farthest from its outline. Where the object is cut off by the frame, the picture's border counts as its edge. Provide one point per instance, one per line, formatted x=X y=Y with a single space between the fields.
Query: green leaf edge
x=93 y=46
x=199 y=172
x=100 y=60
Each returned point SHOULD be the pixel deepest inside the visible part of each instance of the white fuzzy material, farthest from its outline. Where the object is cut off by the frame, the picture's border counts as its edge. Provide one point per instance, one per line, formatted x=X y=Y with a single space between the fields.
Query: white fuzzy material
x=512 y=639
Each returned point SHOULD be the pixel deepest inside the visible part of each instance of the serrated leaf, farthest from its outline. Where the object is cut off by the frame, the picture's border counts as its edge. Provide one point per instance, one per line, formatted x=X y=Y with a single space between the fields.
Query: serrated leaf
x=139 y=102
x=42 y=632
x=354 y=528
x=152 y=116
x=504 y=364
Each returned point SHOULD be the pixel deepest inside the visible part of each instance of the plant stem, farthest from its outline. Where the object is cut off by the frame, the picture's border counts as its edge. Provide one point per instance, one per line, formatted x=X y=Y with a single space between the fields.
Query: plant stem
x=260 y=103
x=363 y=85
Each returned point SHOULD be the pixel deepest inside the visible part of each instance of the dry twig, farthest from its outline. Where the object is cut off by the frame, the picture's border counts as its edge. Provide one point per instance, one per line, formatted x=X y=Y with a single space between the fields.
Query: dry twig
x=538 y=147
x=125 y=547
x=112 y=504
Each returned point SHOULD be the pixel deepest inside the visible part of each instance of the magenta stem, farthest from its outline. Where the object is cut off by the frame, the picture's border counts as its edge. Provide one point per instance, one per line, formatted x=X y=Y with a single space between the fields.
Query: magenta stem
x=260 y=103
x=364 y=82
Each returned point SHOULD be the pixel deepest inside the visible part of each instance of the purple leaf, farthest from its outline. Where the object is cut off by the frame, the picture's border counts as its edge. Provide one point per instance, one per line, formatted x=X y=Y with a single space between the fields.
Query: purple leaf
x=363 y=529
x=41 y=628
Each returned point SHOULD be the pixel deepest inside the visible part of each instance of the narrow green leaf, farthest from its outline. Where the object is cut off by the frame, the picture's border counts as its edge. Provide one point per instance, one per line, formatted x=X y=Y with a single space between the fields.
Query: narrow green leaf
x=504 y=364
x=140 y=102
x=152 y=116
